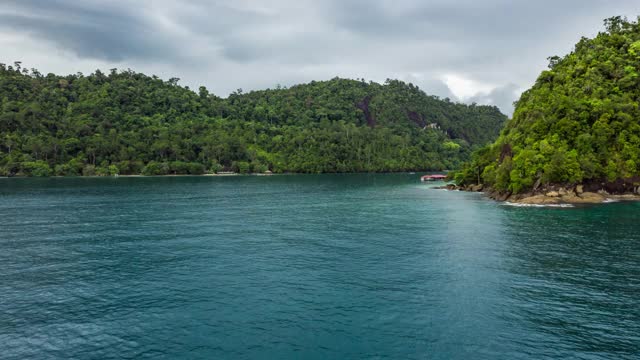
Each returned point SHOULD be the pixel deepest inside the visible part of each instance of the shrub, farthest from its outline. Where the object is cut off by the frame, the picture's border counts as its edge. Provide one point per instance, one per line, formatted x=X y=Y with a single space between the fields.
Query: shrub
x=259 y=168
x=113 y=170
x=89 y=170
x=156 y=168
x=215 y=168
x=195 y=168
x=241 y=167
x=36 y=168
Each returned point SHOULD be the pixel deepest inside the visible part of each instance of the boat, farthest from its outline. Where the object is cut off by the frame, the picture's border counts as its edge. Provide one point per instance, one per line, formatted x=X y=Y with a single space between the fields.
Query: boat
x=436 y=177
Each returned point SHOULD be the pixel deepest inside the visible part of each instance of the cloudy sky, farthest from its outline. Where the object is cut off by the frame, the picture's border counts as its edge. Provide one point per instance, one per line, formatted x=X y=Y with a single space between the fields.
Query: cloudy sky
x=486 y=51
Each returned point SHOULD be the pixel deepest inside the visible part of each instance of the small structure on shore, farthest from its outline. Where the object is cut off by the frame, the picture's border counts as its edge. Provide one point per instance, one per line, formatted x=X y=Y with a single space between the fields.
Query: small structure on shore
x=435 y=177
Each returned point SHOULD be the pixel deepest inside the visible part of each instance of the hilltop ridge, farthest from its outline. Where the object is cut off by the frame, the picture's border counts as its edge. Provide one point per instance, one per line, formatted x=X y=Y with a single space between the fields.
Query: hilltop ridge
x=125 y=122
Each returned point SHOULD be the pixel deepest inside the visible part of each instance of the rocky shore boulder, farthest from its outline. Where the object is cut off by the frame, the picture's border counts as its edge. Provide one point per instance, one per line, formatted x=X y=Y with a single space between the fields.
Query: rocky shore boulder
x=477 y=188
x=452 y=187
x=564 y=197
x=549 y=195
x=539 y=200
x=590 y=198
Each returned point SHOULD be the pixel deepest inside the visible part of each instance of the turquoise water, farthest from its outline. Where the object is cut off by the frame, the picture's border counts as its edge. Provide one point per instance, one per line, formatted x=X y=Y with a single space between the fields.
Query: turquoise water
x=309 y=267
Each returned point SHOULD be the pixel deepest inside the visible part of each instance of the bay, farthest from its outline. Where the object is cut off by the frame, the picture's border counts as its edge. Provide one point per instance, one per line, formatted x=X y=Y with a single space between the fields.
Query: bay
x=309 y=267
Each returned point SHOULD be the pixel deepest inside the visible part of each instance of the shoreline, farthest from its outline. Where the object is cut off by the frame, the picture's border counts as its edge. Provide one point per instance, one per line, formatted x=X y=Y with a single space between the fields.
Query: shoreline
x=551 y=196
x=133 y=176
x=225 y=174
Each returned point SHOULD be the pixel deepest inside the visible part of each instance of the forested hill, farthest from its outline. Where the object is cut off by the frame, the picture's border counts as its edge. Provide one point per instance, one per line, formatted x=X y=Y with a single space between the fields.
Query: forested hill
x=394 y=104
x=129 y=123
x=579 y=123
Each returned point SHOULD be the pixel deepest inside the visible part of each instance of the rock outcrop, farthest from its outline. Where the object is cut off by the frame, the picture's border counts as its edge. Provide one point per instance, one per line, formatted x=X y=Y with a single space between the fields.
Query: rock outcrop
x=560 y=196
x=550 y=195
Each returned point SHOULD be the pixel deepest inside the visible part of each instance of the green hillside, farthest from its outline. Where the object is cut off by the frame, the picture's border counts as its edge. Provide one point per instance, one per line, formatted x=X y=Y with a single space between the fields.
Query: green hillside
x=579 y=123
x=129 y=123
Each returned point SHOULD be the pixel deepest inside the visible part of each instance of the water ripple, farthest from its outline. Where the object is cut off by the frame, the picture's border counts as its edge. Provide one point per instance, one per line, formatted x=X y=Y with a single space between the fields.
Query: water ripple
x=313 y=267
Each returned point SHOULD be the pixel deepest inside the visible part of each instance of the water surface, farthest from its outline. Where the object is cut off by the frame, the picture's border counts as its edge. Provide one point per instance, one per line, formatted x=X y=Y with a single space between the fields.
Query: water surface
x=309 y=267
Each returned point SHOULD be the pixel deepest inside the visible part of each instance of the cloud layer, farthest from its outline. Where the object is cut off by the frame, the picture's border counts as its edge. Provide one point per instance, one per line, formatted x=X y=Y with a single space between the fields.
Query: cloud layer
x=473 y=51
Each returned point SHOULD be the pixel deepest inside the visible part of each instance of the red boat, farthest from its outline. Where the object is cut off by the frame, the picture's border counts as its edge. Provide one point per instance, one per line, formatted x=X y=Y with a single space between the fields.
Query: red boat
x=433 y=177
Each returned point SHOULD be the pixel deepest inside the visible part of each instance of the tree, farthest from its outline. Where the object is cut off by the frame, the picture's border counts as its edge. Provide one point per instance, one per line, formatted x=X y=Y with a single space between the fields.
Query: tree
x=578 y=123
x=94 y=124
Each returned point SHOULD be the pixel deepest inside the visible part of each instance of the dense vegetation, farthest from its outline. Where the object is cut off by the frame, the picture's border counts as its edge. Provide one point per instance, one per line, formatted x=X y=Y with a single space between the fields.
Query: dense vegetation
x=129 y=123
x=579 y=123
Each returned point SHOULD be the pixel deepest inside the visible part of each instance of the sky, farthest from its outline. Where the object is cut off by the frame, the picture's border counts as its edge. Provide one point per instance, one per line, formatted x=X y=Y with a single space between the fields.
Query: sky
x=483 y=51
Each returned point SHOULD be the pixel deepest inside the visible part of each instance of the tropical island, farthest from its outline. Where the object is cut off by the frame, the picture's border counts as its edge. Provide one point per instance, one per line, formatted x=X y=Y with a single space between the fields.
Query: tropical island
x=129 y=123
x=575 y=135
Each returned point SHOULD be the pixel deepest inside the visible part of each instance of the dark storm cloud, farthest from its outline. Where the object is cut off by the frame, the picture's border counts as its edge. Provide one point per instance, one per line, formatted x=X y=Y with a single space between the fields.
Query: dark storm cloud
x=453 y=19
x=482 y=51
x=483 y=30
x=90 y=31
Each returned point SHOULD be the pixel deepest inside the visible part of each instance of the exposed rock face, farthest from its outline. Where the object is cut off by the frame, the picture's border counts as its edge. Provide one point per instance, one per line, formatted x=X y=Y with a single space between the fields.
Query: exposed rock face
x=591 y=198
x=625 y=197
x=570 y=198
x=477 y=188
x=619 y=186
x=499 y=196
x=564 y=197
x=539 y=200
x=418 y=119
x=364 y=106
x=506 y=151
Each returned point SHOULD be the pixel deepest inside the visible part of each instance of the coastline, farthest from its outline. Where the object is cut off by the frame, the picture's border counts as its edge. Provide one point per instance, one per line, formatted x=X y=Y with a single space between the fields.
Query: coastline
x=553 y=195
x=222 y=174
x=135 y=176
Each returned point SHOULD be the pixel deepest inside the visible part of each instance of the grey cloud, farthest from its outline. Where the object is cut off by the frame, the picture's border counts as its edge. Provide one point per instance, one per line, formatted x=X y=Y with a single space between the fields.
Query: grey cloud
x=253 y=44
x=86 y=40
x=97 y=32
x=502 y=97
x=431 y=86
x=454 y=19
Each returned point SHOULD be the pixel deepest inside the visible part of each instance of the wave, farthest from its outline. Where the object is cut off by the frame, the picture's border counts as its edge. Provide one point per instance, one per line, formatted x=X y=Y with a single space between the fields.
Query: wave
x=507 y=203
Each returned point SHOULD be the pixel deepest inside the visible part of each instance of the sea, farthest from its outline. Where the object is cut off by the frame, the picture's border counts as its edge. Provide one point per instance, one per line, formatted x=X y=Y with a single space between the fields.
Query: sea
x=352 y=266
